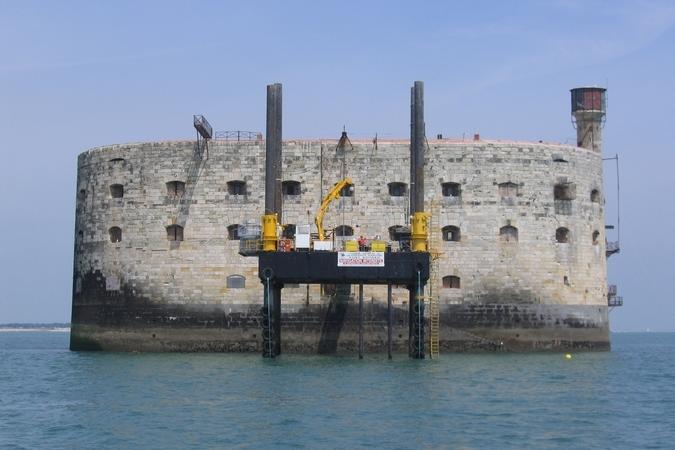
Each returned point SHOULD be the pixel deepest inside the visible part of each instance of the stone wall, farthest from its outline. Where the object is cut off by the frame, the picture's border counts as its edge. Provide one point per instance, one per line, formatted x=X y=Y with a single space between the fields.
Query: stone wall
x=503 y=184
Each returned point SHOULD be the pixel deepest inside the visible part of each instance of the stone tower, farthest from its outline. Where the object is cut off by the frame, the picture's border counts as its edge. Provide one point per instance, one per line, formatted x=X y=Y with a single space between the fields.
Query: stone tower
x=588 y=110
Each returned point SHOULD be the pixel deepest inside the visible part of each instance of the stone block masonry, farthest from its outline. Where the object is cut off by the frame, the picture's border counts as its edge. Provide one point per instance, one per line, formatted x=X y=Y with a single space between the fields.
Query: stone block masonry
x=531 y=239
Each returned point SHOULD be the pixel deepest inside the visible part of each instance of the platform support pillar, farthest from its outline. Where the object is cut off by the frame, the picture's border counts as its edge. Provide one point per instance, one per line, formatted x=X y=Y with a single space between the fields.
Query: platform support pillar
x=389 y=320
x=360 y=321
x=271 y=319
x=416 y=321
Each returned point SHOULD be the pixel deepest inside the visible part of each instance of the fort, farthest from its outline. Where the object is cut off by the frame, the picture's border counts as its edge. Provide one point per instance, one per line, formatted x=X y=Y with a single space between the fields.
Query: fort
x=520 y=228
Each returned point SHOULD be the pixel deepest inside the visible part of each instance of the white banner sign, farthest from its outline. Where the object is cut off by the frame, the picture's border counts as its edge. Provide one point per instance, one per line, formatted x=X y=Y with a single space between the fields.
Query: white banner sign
x=360 y=259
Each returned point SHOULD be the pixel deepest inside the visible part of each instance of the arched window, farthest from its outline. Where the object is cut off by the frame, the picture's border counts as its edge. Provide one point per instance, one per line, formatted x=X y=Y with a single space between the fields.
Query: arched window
x=344 y=230
x=117 y=160
x=289 y=231
x=115 y=234
x=450 y=189
x=236 y=187
x=565 y=191
x=595 y=196
x=397 y=189
x=236 y=282
x=508 y=190
x=233 y=232
x=562 y=235
x=595 y=236
x=508 y=233
x=116 y=191
x=175 y=188
x=174 y=233
x=451 y=233
x=290 y=187
x=451 y=282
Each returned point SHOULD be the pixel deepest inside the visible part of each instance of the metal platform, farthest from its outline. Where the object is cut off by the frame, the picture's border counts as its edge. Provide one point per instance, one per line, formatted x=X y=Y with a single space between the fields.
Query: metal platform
x=402 y=268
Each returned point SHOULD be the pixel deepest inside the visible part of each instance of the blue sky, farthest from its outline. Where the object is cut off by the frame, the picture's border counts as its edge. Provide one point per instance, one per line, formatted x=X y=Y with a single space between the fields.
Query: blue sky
x=75 y=75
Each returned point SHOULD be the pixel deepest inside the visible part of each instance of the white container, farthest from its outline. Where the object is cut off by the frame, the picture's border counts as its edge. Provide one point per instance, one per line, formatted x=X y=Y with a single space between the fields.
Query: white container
x=302 y=236
x=323 y=245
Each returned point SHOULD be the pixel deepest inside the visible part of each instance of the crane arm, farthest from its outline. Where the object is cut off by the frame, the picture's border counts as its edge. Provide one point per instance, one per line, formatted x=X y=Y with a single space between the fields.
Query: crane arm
x=333 y=194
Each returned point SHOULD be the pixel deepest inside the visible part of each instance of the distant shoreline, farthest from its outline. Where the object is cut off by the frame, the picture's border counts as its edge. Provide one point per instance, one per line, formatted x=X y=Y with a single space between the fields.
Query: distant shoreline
x=25 y=327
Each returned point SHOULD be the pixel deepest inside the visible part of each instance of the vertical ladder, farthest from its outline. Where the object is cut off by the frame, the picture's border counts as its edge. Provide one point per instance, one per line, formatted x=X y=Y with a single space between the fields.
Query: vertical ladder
x=434 y=311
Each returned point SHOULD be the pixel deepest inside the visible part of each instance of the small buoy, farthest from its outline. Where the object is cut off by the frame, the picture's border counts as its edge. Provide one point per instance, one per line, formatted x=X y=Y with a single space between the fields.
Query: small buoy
x=568 y=356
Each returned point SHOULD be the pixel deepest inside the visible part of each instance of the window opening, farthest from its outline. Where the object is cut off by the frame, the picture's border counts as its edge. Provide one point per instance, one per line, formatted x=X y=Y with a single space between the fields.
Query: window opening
x=450 y=189
x=344 y=230
x=397 y=189
x=116 y=191
x=562 y=235
x=115 y=234
x=233 y=232
x=451 y=233
x=290 y=187
x=175 y=188
x=174 y=233
x=236 y=282
x=508 y=233
x=451 y=282
x=236 y=187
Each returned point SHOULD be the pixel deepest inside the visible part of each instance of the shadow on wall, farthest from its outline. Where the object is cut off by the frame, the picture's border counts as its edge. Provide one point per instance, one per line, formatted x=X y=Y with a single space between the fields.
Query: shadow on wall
x=334 y=320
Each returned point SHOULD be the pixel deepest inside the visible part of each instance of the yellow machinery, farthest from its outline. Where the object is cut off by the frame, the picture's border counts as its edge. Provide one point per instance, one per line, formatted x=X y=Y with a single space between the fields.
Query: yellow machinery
x=333 y=194
x=420 y=232
x=270 y=235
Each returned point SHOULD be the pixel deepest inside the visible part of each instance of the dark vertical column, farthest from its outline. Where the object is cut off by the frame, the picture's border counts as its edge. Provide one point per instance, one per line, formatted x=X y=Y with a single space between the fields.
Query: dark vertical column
x=268 y=328
x=276 y=319
x=360 y=321
x=389 y=321
x=418 y=144
x=273 y=151
x=416 y=322
x=411 y=190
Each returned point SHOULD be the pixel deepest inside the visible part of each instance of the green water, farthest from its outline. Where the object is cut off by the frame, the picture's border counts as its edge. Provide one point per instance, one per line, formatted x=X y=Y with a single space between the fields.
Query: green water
x=53 y=398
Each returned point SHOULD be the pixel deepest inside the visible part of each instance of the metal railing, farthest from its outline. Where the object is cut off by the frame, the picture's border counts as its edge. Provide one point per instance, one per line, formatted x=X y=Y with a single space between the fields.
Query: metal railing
x=238 y=136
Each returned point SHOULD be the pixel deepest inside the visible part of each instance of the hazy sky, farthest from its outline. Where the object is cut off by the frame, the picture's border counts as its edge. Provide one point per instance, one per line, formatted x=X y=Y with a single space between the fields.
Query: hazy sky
x=75 y=75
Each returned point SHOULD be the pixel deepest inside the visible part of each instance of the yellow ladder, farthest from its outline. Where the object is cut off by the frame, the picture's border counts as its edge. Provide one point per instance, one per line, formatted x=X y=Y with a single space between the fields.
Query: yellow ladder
x=434 y=310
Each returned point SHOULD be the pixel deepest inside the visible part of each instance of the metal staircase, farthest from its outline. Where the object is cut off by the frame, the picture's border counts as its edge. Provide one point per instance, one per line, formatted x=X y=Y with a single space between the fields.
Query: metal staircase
x=434 y=310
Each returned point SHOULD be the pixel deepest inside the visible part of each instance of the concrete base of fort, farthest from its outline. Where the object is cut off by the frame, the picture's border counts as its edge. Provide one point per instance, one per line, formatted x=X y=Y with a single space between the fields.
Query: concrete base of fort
x=333 y=328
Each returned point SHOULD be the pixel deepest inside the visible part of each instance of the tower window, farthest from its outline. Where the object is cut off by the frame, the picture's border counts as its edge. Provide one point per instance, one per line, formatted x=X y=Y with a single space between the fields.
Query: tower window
x=595 y=196
x=290 y=187
x=397 y=189
x=596 y=235
x=174 y=233
x=451 y=189
x=562 y=235
x=508 y=233
x=508 y=190
x=344 y=230
x=175 y=188
x=451 y=233
x=451 y=282
x=115 y=234
x=236 y=282
x=289 y=231
x=233 y=232
x=565 y=191
x=116 y=191
x=236 y=187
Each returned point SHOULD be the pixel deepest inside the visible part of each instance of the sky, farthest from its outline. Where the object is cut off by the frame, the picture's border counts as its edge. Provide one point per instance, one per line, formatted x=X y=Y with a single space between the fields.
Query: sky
x=81 y=74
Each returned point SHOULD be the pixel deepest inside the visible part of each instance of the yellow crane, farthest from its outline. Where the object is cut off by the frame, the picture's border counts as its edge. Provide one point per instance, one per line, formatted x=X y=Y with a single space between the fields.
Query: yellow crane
x=334 y=193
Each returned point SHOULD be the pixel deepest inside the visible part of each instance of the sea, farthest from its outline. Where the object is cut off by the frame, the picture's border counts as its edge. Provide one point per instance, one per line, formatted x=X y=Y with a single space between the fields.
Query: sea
x=53 y=398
